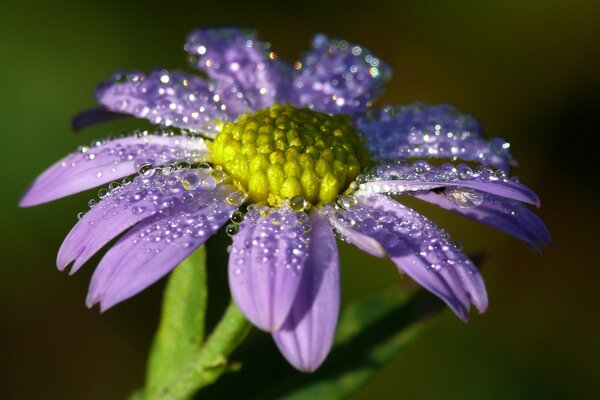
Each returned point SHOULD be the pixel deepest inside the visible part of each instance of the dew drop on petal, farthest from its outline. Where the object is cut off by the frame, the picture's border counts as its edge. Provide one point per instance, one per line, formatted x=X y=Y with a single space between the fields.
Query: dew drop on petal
x=299 y=203
x=146 y=170
x=232 y=229
x=236 y=198
x=463 y=197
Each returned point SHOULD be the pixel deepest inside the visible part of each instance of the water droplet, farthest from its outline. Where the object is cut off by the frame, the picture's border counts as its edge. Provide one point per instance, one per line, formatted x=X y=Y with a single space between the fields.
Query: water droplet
x=146 y=170
x=464 y=172
x=218 y=175
x=500 y=174
x=236 y=198
x=138 y=209
x=362 y=178
x=347 y=201
x=299 y=203
x=463 y=197
x=190 y=181
x=237 y=217
x=232 y=229
x=114 y=186
x=102 y=193
x=183 y=165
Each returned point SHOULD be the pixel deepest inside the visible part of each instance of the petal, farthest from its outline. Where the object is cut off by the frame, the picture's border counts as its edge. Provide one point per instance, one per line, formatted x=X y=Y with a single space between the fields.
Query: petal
x=339 y=77
x=508 y=216
x=169 y=99
x=364 y=242
x=105 y=162
x=421 y=131
x=399 y=178
x=241 y=63
x=93 y=116
x=266 y=265
x=307 y=335
x=126 y=206
x=421 y=250
x=155 y=246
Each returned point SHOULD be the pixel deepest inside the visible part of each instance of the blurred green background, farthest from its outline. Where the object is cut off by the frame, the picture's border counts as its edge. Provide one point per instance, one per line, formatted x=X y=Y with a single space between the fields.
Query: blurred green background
x=528 y=70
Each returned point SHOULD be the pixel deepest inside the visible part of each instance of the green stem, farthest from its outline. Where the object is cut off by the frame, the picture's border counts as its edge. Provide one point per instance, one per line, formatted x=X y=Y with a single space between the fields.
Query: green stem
x=211 y=360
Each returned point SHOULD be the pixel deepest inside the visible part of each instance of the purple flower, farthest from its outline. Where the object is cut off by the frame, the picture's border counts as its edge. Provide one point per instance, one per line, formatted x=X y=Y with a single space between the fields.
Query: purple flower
x=287 y=156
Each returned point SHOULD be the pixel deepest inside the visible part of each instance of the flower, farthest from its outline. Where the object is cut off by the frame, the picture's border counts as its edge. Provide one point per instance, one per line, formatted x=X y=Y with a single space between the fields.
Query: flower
x=286 y=156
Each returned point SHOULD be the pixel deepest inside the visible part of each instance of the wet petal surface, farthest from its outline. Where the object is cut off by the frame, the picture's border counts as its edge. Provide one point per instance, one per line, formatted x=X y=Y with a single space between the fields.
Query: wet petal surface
x=244 y=66
x=266 y=264
x=106 y=161
x=462 y=183
x=339 y=77
x=419 y=249
x=508 y=216
x=126 y=205
x=170 y=99
x=307 y=335
x=155 y=246
x=421 y=131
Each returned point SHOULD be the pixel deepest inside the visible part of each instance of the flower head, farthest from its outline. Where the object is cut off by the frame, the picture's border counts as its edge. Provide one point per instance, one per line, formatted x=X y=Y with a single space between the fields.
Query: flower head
x=286 y=156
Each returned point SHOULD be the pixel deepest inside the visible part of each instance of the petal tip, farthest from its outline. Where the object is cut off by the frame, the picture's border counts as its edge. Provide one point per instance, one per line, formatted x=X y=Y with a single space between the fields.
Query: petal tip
x=28 y=200
x=93 y=116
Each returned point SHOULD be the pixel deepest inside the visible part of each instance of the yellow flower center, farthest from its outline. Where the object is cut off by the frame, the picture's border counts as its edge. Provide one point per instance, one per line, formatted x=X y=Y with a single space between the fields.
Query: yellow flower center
x=283 y=152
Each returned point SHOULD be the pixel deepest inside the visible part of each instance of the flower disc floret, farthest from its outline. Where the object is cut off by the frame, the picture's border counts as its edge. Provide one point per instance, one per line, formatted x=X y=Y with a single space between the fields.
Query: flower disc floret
x=282 y=152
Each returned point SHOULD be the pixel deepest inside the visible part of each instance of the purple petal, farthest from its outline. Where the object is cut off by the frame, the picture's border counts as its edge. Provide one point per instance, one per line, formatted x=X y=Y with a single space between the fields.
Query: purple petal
x=508 y=216
x=364 y=242
x=93 y=116
x=266 y=265
x=105 y=162
x=244 y=66
x=307 y=335
x=399 y=178
x=339 y=77
x=169 y=99
x=421 y=131
x=126 y=206
x=155 y=246
x=420 y=249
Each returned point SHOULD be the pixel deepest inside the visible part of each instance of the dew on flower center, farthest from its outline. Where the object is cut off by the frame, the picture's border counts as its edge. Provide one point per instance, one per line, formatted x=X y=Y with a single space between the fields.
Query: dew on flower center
x=285 y=153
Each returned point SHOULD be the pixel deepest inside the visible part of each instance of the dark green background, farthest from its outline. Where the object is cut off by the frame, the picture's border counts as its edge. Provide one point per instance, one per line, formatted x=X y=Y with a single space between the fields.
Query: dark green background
x=529 y=70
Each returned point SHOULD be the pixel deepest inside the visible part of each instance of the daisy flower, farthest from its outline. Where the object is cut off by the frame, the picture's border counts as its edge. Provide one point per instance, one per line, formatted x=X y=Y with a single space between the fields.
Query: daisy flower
x=287 y=157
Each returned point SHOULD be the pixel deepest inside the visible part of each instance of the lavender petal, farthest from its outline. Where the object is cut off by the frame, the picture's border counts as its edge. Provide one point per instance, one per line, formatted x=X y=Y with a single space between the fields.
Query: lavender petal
x=421 y=131
x=244 y=66
x=170 y=99
x=105 y=162
x=508 y=216
x=420 y=249
x=435 y=252
x=360 y=240
x=266 y=265
x=307 y=335
x=93 y=116
x=400 y=178
x=339 y=77
x=154 y=247
x=127 y=205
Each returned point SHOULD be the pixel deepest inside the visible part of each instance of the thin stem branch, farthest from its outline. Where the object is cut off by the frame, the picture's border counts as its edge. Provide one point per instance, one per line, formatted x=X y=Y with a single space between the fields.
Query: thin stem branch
x=211 y=360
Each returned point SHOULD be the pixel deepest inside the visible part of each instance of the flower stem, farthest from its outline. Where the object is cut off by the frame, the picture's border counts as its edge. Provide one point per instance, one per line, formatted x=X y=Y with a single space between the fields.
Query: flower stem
x=211 y=360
